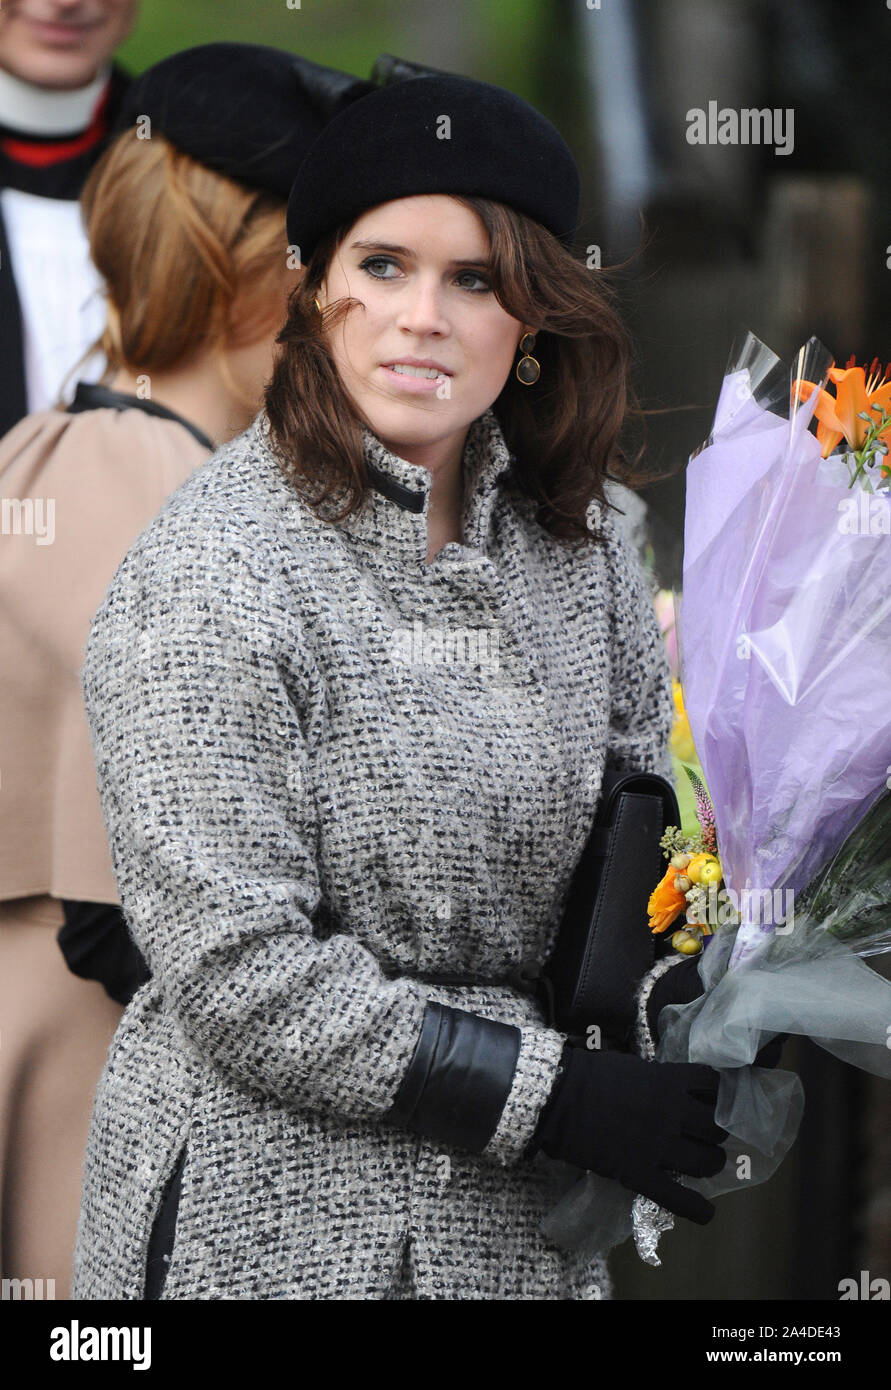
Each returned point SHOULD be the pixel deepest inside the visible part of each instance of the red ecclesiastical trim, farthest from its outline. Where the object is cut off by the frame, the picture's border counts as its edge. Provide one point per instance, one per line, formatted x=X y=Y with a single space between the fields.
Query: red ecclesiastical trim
x=41 y=154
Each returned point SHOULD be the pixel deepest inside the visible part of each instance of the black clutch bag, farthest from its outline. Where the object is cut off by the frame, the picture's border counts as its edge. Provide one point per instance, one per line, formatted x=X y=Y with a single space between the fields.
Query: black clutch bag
x=604 y=946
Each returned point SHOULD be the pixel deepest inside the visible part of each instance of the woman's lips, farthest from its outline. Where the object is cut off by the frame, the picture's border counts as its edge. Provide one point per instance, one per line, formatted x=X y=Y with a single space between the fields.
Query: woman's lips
x=416 y=385
x=60 y=35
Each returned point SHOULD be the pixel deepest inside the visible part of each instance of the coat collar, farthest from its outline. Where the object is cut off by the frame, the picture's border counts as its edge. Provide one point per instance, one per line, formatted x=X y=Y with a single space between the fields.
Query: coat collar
x=395 y=512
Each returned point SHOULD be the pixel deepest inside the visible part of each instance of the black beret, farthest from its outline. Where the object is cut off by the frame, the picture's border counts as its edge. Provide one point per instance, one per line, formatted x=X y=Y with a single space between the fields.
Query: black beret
x=395 y=143
x=241 y=109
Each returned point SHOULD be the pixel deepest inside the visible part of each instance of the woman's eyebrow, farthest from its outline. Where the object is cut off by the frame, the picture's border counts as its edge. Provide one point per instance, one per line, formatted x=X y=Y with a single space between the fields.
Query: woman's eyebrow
x=381 y=246
x=476 y=261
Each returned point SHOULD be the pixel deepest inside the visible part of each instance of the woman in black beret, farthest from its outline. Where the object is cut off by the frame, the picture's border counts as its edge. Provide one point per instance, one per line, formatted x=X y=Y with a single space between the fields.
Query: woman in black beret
x=386 y=643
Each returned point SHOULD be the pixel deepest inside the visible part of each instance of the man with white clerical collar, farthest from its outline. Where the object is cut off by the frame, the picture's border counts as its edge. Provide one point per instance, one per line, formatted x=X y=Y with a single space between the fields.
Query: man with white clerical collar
x=59 y=95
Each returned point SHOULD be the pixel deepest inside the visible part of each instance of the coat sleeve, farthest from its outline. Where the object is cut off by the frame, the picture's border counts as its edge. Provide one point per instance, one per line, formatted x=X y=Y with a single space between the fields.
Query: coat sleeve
x=196 y=696
x=641 y=705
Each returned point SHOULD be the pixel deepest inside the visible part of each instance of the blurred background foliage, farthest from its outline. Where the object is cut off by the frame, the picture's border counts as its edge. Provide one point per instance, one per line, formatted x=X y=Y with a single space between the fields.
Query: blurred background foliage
x=495 y=39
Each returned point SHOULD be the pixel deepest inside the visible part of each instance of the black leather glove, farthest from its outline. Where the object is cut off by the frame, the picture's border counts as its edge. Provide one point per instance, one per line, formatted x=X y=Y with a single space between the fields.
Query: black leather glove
x=681 y=985
x=638 y=1122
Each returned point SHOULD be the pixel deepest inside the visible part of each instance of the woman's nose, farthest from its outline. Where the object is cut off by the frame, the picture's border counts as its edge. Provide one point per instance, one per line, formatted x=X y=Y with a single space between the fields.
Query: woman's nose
x=421 y=310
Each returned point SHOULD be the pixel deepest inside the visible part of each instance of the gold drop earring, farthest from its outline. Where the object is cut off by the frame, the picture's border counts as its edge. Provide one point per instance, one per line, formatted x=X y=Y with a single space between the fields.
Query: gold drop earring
x=528 y=369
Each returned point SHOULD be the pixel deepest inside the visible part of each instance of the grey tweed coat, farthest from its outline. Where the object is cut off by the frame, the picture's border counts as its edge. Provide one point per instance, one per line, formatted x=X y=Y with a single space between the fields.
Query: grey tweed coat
x=332 y=776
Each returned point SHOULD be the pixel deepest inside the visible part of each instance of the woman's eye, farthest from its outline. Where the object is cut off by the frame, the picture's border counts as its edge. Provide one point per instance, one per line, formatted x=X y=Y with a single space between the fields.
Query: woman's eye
x=380 y=267
x=385 y=268
x=480 y=283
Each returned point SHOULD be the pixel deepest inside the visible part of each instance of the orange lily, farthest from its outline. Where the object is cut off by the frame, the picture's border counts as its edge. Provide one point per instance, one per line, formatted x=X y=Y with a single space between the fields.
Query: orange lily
x=665 y=902
x=838 y=416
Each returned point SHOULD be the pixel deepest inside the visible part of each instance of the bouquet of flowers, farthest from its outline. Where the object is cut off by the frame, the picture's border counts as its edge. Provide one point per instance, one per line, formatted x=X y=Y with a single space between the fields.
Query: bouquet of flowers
x=785 y=641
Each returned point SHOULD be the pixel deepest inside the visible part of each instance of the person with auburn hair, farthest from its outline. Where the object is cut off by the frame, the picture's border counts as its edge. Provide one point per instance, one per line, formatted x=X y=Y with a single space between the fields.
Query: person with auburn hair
x=185 y=214
x=352 y=695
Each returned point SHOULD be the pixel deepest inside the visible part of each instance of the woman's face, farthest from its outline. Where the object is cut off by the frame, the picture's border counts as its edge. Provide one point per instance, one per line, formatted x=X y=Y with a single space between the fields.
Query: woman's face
x=429 y=348
x=62 y=43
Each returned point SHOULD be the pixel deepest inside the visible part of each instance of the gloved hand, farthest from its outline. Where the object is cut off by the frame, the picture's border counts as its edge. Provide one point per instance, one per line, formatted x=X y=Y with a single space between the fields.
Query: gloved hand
x=638 y=1122
x=681 y=985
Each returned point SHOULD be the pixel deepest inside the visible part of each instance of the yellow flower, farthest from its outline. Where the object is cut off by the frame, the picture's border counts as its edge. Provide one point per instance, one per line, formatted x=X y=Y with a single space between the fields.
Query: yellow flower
x=681 y=737
x=711 y=873
x=705 y=869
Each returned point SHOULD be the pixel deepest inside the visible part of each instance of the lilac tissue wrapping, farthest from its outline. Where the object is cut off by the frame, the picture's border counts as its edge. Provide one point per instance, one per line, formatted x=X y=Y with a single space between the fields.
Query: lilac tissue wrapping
x=785 y=635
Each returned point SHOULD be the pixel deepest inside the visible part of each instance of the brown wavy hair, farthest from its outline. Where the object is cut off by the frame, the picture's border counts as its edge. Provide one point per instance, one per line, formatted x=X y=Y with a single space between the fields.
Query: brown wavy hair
x=564 y=430
x=192 y=260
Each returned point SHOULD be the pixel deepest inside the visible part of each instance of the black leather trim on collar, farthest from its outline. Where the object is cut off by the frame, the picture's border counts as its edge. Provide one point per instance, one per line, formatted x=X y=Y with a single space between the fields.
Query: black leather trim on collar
x=92 y=396
x=388 y=487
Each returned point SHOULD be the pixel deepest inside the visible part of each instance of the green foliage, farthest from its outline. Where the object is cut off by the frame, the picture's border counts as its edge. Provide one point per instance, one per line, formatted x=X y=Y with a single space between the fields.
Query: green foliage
x=678 y=840
x=851 y=897
x=502 y=38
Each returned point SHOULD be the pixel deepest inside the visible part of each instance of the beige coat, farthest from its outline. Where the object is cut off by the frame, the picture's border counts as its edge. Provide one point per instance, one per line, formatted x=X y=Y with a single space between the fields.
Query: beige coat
x=75 y=492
